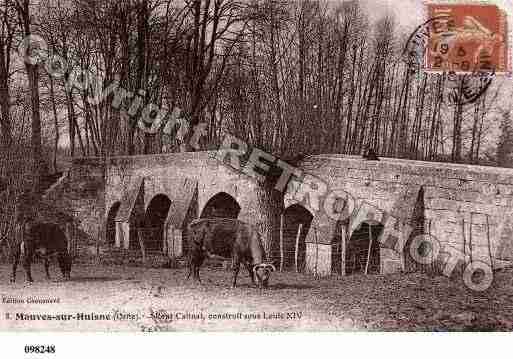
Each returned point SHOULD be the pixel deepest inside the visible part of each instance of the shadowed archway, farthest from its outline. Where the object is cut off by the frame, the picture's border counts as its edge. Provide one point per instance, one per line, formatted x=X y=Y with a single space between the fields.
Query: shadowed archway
x=363 y=250
x=222 y=205
x=110 y=229
x=296 y=224
x=155 y=218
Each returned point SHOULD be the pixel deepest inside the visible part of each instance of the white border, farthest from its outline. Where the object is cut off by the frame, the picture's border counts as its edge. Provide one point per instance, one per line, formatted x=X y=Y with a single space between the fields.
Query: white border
x=311 y=345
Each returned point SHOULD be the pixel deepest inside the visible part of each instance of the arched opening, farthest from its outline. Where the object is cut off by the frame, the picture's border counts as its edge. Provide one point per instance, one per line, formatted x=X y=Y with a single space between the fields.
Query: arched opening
x=362 y=251
x=110 y=230
x=155 y=218
x=296 y=224
x=222 y=205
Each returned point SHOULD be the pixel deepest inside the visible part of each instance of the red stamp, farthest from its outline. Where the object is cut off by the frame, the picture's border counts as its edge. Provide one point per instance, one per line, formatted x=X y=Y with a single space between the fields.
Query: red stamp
x=467 y=38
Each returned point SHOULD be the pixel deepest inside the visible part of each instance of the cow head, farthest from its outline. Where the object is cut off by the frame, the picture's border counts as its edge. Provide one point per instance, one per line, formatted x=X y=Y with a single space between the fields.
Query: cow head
x=262 y=273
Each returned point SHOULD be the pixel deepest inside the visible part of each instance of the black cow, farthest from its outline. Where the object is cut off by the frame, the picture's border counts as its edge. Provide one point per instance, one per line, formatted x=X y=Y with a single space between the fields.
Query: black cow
x=45 y=240
x=223 y=237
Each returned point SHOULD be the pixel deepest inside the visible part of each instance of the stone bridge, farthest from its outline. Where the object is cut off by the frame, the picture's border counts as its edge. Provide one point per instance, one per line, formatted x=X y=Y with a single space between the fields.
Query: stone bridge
x=154 y=197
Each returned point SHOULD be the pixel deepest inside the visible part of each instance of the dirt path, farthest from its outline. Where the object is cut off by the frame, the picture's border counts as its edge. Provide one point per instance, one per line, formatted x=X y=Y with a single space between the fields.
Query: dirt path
x=293 y=302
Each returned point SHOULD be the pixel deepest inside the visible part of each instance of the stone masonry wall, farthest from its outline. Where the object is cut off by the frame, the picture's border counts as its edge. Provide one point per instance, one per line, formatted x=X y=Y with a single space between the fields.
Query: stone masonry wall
x=466 y=207
x=463 y=204
x=166 y=173
x=81 y=194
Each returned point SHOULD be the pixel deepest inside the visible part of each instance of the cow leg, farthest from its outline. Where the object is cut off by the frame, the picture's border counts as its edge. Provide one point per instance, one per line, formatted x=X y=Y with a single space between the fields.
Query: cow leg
x=15 y=262
x=27 y=261
x=47 y=267
x=249 y=267
x=196 y=273
x=64 y=261
x=62 y=264
x=236 y=268
x=69 y=261
x=189 y=271
x=198 y=262
x=191 y=267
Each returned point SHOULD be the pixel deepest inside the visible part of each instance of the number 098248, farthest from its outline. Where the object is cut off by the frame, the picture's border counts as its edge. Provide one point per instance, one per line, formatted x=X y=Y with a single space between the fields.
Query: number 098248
x=40 y=349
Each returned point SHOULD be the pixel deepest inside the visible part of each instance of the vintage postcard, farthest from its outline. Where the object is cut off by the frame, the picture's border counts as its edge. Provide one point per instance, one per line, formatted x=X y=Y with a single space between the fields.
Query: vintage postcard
x=255 y=165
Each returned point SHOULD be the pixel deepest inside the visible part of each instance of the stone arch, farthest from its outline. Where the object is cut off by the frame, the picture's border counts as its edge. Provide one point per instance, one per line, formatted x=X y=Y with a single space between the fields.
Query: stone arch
x=294 y=216
x=363 y=251
x=110 y=226
x=221 y=205
x=152 y=229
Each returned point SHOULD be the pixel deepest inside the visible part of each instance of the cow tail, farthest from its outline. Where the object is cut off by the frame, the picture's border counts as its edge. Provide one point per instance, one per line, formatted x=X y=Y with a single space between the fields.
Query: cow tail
x=22 y=249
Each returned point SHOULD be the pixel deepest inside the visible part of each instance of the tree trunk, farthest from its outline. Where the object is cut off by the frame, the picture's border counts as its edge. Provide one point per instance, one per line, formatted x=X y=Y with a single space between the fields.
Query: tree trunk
x=33 y=78
x=271 y=205
x=5 y=119
x=55 y=124
x=456 y=134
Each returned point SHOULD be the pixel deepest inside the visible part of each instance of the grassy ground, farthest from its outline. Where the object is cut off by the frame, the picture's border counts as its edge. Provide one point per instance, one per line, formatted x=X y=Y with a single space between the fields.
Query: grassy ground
x=413 y=302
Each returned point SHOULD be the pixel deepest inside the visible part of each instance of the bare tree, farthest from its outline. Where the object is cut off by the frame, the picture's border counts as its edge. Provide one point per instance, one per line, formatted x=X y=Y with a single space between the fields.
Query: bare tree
x=24 y=15
x=6 y=43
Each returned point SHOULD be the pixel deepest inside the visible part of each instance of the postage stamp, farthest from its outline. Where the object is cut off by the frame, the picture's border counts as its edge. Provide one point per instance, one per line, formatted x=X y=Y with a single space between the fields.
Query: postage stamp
x=465 y=38
x=466 y=44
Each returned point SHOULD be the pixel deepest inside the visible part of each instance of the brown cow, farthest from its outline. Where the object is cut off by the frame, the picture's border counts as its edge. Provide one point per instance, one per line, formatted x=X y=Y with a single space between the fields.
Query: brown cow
x=222 y=238
x=43 y=239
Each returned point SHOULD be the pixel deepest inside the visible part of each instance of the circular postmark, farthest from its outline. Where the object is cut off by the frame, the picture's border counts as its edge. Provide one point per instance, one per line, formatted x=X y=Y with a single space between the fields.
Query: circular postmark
x=415 y=50
x=460 y=55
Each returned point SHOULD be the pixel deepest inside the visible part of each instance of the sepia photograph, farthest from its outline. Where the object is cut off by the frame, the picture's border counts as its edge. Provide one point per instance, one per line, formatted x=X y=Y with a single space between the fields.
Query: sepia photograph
x=255 y=166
